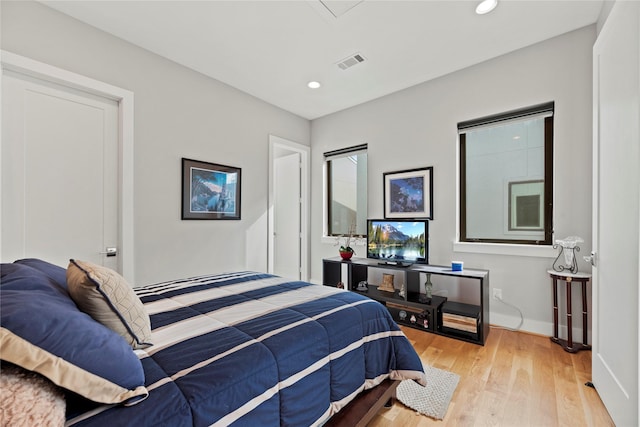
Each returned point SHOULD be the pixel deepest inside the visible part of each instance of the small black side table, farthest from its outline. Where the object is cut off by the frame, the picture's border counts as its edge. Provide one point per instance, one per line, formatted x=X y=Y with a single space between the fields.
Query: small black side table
x=569 y=278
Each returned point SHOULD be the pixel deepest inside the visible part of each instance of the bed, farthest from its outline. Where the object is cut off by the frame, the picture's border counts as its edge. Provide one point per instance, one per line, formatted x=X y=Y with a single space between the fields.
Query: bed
x=241 y=348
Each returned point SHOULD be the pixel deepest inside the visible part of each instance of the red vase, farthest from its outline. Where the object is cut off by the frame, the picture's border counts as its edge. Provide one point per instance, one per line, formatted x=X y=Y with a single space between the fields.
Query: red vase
x=346 y=255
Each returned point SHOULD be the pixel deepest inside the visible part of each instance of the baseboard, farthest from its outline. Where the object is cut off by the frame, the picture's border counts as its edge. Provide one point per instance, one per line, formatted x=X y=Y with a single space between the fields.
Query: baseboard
x=534 y=326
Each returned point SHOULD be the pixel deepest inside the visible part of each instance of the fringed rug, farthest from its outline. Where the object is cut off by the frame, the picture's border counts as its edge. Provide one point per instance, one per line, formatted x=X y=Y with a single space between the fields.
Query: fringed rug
x=432 y=400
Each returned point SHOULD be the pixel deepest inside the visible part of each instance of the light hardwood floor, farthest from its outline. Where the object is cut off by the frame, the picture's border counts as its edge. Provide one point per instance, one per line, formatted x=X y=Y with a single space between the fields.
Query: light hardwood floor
x=516 y=379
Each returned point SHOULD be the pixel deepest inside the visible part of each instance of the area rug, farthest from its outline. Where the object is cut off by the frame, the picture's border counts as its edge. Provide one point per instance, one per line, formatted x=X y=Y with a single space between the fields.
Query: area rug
x=432 y=400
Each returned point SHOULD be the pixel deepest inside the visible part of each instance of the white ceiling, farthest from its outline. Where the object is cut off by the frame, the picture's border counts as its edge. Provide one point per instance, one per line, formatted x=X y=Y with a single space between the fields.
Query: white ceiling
x=271 y=49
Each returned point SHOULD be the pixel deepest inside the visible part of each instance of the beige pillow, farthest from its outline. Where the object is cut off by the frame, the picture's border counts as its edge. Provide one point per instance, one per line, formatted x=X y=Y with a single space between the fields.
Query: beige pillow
x=109 y=299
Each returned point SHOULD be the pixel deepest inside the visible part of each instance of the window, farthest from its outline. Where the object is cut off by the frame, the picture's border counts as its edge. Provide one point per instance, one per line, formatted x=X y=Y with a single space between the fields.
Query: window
x=506 y=177
x=347 y=191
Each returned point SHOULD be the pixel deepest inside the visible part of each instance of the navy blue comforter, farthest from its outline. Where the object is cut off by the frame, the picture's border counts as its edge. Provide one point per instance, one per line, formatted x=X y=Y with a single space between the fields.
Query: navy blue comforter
x=251 y=349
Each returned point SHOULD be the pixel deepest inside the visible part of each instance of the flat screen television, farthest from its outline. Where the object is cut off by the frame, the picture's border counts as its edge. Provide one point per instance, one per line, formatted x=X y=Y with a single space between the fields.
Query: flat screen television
x=400 y=242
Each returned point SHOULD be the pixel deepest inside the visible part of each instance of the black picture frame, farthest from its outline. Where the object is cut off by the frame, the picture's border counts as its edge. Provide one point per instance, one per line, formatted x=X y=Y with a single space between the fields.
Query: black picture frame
x=210 y=190
x=408 y=193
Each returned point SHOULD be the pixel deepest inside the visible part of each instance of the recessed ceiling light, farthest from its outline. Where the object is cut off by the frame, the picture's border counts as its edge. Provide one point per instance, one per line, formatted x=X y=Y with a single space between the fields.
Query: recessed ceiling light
x=314 y=85
x=486 y=6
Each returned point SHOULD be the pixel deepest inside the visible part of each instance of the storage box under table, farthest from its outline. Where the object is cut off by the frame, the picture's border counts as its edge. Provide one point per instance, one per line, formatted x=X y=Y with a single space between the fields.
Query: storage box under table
x=461 y=319
x=425 y=316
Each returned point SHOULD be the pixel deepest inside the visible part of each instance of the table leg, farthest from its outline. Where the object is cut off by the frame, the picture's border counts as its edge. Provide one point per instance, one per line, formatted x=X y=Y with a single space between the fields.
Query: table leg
x=569 y=323
x=554 y=281
x=584 y=312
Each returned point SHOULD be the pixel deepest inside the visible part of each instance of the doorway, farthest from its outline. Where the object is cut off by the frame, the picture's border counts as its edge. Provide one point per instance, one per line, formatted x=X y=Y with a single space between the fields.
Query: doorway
x=57 y=98
x=288 y=230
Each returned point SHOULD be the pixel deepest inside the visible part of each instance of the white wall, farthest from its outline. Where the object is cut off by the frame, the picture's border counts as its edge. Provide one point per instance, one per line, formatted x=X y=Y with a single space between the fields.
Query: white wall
x=178 y=113
x=417 y=127
x=181 y=113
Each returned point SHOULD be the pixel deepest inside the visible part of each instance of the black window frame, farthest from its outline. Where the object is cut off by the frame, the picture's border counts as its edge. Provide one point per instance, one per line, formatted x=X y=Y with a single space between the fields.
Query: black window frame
x=327 y=158
x=548 y=170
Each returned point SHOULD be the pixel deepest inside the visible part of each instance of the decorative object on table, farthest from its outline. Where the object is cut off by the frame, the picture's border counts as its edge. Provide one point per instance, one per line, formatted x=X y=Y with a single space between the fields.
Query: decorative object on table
x=387 y=283
x=433 y=399
x=425 y=297
x=424 y=317
x=402 y=315
x=413 y=319
x=346 y=251
x=457 y=265
x=210 y=191
x=568 y=247
x=340 y=285
x=362 y=286
x=408 y=193
x=402 y=291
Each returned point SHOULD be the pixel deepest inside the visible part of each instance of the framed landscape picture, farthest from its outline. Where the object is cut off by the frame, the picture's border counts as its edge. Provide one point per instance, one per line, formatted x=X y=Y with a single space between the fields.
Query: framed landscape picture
x=409 y=193
x=210 y=191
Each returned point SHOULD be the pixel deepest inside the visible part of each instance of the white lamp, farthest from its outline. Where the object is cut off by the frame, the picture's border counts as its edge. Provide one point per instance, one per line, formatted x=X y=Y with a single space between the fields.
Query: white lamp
x=486 y=6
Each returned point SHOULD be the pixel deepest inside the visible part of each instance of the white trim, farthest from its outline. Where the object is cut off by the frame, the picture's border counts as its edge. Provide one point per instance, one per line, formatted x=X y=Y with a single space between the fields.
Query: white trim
x=305 y=186
x=508 y=321
x=325 y=203
x=124 y=98
x=545 y=251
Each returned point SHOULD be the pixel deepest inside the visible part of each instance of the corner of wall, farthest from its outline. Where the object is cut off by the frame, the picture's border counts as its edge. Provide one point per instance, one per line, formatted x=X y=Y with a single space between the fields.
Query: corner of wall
x=607 y=5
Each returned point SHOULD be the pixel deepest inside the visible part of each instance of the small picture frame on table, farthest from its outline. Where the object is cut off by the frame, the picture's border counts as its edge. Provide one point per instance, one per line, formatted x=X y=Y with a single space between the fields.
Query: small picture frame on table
x=210 y=190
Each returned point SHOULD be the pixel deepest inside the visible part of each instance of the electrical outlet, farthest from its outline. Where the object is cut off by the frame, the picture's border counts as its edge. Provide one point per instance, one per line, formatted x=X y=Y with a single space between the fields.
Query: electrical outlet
x=497 y=293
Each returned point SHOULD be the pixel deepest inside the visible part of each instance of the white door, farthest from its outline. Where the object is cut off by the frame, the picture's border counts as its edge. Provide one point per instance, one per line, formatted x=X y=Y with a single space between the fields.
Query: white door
x=59 y=172
x=616 y=213
x=292 y=180
x=287 y=214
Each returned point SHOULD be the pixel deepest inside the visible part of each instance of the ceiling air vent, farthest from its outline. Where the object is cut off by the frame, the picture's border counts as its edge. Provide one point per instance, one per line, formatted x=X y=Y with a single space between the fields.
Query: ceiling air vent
x=349 y=62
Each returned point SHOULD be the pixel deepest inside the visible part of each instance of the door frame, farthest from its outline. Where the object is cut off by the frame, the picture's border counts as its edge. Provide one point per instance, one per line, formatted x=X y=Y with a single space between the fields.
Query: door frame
x=275 y=143
x=124 y=98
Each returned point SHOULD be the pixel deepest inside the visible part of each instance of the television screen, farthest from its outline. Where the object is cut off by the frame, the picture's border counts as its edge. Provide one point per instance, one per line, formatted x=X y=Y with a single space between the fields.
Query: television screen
x=398 y=241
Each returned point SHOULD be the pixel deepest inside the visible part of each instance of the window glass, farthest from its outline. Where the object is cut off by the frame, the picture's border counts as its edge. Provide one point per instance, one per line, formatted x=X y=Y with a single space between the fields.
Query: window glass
x=506 y=178
x=347 y=192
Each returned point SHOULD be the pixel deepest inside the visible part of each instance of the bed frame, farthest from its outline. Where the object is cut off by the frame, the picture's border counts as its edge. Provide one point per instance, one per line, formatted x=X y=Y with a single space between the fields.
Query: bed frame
x=363 y=408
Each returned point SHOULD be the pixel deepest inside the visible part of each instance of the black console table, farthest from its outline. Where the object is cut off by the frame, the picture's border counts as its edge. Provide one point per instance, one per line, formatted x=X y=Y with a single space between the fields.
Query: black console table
x=464 y=314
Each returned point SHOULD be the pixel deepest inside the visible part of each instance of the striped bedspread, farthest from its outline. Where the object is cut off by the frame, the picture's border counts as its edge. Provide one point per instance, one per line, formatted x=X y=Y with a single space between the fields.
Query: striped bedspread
x=252 y=349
